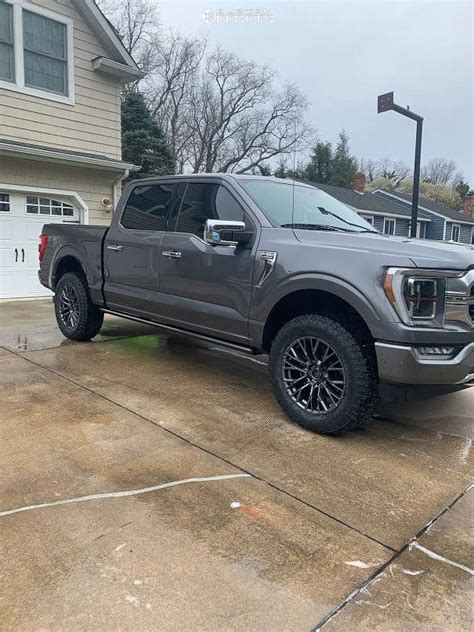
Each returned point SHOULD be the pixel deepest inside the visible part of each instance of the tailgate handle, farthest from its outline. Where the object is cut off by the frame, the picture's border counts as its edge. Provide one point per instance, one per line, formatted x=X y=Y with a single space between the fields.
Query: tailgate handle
x=172 y=254
x=115 y=247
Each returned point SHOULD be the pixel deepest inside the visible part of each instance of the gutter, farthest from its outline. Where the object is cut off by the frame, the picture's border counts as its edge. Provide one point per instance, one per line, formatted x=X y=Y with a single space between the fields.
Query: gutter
x=116 y=185
x=51 y=156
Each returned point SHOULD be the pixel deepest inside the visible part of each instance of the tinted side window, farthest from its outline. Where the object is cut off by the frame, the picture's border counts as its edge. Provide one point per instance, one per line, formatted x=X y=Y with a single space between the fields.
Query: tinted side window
x=148 y=206
x=206 y=201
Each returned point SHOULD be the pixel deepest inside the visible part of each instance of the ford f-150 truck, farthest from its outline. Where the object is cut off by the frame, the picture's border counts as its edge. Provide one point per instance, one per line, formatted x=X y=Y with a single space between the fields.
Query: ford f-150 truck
x=276 y=267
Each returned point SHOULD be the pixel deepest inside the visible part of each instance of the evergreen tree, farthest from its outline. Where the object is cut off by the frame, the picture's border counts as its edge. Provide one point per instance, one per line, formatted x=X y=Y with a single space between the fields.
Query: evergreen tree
x=343 y=165
x=319 y=167
x=143 y=141
x=462 y=188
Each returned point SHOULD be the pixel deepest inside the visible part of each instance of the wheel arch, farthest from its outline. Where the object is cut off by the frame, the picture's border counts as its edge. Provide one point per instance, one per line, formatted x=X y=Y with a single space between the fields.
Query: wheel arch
x=342 y=306
x=67 y=261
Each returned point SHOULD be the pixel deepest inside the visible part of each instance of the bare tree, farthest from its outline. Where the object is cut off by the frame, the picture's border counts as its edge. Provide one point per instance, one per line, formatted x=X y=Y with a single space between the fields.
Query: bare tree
x=218 y=112
x=137 y=24
x=439 y=171
x=385 y=171
x=221 y=113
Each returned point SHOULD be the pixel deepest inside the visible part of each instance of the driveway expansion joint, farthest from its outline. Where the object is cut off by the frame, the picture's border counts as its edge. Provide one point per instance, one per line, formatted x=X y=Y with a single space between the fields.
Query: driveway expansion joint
x=412 y=543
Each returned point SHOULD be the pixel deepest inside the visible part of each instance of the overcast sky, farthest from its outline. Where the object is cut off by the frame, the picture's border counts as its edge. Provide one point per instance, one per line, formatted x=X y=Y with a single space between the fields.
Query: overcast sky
x=343 y=54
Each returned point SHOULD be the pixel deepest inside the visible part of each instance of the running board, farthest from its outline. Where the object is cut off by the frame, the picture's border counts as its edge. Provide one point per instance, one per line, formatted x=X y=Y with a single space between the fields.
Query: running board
x=184 y=332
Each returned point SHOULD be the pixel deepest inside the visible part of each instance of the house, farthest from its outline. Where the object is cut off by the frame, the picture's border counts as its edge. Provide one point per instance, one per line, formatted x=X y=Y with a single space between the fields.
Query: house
x=390 y=213
x=62 y=67
x=445 y=224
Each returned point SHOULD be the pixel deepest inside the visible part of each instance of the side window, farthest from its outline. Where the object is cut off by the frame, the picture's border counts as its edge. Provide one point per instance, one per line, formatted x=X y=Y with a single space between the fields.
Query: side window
x=148 y=206
x=206 y=201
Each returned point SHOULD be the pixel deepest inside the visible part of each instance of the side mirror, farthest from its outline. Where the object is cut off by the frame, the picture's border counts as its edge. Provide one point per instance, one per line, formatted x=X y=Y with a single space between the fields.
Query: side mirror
x=225 y=233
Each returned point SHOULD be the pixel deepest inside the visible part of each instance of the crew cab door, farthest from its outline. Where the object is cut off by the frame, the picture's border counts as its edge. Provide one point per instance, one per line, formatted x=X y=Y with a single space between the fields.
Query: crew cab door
x=206 y=288
x=132 y=250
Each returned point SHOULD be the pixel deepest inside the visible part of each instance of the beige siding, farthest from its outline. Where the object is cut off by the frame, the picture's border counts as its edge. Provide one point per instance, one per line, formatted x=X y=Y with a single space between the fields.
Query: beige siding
x=92 y=124
x=91 y=184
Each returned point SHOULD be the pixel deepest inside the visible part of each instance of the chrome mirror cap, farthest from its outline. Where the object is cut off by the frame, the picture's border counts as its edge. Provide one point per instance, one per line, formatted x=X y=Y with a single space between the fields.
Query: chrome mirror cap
x=216 y=230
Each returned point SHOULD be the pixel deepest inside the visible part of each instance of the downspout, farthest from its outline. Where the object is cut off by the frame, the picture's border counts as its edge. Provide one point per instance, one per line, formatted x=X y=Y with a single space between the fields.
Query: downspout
x=116 y=186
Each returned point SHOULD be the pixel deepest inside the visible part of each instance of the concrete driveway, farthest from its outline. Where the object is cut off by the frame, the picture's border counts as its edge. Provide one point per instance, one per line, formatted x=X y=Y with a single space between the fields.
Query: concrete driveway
x=149 y=483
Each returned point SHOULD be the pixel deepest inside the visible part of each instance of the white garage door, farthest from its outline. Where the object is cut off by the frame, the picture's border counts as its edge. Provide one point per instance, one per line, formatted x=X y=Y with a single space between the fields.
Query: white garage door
x=21 y=219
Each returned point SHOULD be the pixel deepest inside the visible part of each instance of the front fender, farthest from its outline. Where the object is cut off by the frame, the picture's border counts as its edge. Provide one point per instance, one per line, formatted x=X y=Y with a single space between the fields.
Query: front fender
x=265 y=300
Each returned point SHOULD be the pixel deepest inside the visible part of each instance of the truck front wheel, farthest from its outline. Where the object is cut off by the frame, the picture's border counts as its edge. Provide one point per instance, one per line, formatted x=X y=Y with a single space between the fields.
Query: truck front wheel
x=321 y=376
x=77 y=317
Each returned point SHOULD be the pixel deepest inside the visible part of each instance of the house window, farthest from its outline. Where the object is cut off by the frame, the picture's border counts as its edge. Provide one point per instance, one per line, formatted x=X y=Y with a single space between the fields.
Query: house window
x=6 y=43
x=4 y=203
x=35 y=51
x=388 y=226
x=369 y=219
x=46 y=206
x=421 y=230
x=45 y=54
x=455 y=232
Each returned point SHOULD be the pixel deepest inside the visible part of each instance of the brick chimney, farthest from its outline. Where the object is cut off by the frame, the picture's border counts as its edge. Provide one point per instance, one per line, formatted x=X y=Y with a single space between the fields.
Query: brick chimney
x=359 y=183
x=468 y=208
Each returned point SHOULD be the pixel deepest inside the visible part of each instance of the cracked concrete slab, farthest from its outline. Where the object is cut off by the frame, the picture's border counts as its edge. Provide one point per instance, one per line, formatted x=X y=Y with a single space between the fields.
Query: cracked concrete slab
x=387 y=482
x=233 y=554
x=426 y=588
x=246 y=553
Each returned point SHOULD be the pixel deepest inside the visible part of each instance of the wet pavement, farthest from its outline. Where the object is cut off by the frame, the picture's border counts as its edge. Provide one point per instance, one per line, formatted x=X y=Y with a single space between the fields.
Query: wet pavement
x=373 y=529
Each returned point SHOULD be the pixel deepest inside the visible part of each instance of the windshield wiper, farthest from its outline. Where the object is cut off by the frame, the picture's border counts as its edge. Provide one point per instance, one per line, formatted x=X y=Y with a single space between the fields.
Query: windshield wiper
x=317 y=227
x=326 y=212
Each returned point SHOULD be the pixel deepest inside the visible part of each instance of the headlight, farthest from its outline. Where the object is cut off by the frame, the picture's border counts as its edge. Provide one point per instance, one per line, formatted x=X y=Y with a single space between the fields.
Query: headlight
x=418 y=296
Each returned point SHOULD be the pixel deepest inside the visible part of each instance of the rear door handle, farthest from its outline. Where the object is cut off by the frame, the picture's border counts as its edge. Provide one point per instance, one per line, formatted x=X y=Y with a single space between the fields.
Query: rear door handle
x=115 y=247
x=23 y=255
x=172 y=254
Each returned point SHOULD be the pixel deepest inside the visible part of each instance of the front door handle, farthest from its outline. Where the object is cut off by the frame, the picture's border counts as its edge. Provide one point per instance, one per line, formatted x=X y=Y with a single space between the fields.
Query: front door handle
x=16 y=255
x=115 y=247
x=172 y=254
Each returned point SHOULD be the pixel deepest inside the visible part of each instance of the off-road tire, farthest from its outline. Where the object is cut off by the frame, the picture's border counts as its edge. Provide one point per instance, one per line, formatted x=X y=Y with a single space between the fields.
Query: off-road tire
x=356 y=405
x=88 y=321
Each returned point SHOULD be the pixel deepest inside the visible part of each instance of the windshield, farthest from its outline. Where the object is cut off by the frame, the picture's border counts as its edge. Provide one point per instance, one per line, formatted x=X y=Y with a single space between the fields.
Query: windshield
x=313 y=209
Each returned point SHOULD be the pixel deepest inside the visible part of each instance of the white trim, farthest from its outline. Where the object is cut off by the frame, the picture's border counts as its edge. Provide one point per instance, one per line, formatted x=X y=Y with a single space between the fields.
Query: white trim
x=116 y=69
x=458 y=226
x=18 y=85
x=80 y=203
x=38 y=153
x=386 y=214
x=368 y=218
x=390 y=219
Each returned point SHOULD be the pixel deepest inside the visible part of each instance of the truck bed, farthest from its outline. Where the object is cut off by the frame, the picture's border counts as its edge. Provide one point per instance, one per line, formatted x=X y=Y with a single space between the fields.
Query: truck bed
x=83 y=243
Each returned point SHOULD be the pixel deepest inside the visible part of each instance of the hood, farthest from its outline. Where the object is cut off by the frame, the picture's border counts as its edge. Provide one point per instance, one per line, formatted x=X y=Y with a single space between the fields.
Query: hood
x=422 y=253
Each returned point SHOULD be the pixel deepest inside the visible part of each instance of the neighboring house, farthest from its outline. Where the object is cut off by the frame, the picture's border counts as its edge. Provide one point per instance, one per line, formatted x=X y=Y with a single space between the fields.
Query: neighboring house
x=384 y=215
x=62 y=67
x=446 y=224
x=390 y=213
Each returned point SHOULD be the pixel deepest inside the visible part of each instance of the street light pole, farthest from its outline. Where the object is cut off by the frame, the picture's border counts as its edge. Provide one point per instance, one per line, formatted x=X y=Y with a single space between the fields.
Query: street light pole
x=385 y=103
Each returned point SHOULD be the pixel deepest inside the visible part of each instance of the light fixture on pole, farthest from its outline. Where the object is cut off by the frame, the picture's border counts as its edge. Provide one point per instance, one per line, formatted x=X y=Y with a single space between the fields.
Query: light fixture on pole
x=384 y=104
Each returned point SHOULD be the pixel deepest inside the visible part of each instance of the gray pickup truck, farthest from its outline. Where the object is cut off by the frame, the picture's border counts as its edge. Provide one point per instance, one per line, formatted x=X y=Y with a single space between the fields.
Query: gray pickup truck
x=277 y=267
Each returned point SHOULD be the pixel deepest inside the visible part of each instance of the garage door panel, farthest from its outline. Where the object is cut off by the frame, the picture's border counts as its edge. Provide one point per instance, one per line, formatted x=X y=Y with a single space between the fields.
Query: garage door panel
x=6 y=229
x=21 y=231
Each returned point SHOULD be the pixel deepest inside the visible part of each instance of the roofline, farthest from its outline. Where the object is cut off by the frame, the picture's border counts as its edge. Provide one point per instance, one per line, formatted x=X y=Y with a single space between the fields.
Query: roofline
x=52 y=156
x=385 y=214
x=96 y=14
x=424 y=208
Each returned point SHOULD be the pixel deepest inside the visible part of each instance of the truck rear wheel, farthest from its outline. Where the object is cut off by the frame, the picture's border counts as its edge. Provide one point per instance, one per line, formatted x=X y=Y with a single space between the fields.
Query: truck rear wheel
x=321 y=376
x=77 y=317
